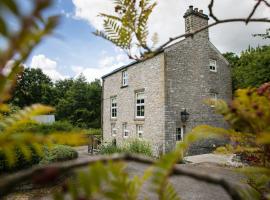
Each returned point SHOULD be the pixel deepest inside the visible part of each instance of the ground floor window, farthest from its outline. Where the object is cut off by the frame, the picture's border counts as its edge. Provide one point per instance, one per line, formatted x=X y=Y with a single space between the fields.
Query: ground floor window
x=125 y=130
x=180 y=133
x=139 y=131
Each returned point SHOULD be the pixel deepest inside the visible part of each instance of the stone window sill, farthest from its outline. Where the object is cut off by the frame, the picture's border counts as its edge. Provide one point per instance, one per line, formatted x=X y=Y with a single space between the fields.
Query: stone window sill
x=139 y=119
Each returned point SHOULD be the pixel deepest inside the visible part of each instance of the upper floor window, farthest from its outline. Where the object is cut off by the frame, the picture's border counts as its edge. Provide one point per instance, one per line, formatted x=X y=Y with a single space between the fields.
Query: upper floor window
x=125 y=130
x=114 y=131
x=140 y=105
x=140 y=131
x=113 y=107
x=124 y=78
x=213 y=65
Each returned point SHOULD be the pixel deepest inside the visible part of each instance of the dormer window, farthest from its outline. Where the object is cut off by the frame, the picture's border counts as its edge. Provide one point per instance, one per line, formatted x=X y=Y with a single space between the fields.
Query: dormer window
x=213 y=65
x=124 y=78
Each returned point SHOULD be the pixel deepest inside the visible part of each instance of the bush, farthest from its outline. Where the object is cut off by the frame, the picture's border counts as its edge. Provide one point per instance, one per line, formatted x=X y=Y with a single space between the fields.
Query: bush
x=21 y=161
x=140 y=147
x=93 y=131
x=59 y=153
x=110 y=149
x=59 y=126
x=133 y=146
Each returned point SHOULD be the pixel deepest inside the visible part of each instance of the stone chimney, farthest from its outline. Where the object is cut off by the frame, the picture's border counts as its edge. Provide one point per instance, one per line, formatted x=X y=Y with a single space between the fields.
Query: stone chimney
x=196 y=19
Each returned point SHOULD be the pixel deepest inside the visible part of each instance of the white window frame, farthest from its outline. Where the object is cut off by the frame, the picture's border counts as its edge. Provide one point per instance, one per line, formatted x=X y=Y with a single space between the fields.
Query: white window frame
x=213 y=65
x=214 y=98
x=113 y=107
x=140 y=131
x=113 y=129
x=181 y=133
x=124 y=78
x=125 y=130
x=141 y=105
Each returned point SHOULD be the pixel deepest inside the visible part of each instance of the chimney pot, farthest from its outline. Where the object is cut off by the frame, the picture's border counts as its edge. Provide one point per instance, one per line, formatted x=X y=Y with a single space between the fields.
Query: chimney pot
x=196 y=9
x=201 y=11
x=191 y=7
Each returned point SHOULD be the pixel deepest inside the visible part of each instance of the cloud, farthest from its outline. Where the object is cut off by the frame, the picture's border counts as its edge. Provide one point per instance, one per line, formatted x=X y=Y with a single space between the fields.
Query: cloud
x=106 y=64
x=48 y=66
x=167 y=20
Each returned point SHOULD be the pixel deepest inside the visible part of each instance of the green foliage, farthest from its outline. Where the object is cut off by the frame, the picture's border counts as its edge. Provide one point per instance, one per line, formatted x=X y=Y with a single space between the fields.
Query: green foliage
x=58 y=126
x=33 y=86
x=252 y=68
x=21 y=161
x=133 y=146
x=76 y=101
x=93 y=131
x=249 y=116
x=81 y=105
x=139 y=147
x=232 y=58
x=58 y=153
x=110 y=148
x=128 y=29
x=103 y=181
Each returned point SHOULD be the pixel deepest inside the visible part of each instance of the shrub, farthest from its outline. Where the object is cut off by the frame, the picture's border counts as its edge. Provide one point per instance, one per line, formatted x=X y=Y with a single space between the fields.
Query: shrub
x=139 y=147
x=21 y=161
x=93 y=131
x=58 y=153
x=133 y=146
x=110 y=149
x=59 y=126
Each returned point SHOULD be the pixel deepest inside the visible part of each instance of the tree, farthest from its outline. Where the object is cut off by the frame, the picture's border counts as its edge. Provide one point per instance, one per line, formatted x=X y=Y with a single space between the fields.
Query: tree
x=81 y=104
x=253 y=68
x=33 y=86
x=232 y=58
x=61 y=87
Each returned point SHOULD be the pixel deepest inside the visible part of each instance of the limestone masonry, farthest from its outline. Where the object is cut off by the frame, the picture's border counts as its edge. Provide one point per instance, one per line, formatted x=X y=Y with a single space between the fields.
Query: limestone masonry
x=150 y=100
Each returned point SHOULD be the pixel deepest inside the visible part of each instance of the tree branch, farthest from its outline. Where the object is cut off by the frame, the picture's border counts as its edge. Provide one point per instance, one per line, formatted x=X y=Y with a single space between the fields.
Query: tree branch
x=8 y=183
x=253 y=10
x=209 y=26
x=211 y=14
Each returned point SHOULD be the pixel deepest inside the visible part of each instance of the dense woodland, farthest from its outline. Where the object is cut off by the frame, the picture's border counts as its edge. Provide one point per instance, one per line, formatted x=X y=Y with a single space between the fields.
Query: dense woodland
x=75 y=100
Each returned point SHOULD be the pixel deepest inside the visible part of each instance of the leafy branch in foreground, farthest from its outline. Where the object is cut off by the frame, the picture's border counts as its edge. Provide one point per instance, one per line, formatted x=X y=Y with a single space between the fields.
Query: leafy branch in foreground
x=128 y=28
x=32 y=28
x=249 y=116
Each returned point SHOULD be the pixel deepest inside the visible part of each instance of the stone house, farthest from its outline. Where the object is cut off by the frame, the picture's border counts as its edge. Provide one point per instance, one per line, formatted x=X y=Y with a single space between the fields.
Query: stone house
x=152 y=99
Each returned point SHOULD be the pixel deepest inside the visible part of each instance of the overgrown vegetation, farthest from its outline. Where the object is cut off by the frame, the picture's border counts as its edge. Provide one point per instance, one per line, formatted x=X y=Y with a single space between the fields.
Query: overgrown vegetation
x=133 y=146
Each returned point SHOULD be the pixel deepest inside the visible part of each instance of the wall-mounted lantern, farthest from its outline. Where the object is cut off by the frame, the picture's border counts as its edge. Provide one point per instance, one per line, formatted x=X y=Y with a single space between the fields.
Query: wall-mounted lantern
x=184 y=115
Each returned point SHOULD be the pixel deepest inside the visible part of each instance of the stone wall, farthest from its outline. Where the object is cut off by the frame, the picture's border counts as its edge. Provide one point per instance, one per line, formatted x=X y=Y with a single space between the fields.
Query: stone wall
x=147 y=76
x=188 y=83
